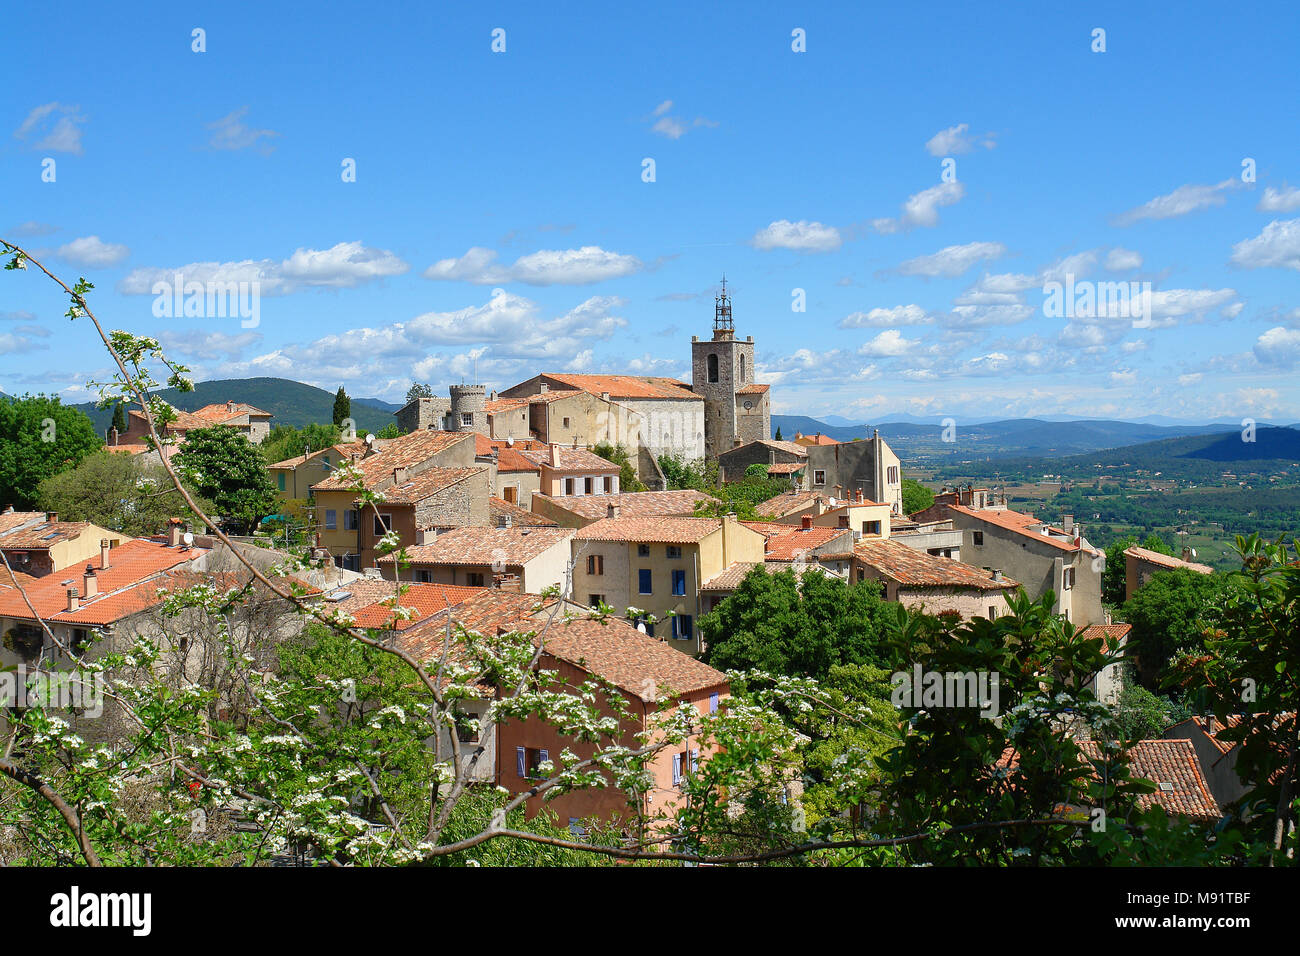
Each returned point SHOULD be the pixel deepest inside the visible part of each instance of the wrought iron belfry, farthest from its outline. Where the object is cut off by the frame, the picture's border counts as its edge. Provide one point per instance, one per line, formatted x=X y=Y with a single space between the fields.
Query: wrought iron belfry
x=722 y=310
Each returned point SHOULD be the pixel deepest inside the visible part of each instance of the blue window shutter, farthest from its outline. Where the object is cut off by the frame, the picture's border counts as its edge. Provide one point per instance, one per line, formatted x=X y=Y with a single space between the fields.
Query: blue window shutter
x=521 y=758
x=677 y=769
x=546 y=755
x=695 y=760
x=643 y=580
x=713 y=703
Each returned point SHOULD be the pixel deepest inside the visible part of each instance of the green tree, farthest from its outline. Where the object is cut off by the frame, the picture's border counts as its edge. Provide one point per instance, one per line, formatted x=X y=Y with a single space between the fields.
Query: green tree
x=285 y=441
x=1168 y=615
x=418 y=390
x=116 y=491
x=389 y=431
x=777 y=436
x=1114 y=581
x=39 y=437
x=229 y=471
x=342 y=407
x=779 y=624
x=916 y=497
x=618 y=455
x=119 y=417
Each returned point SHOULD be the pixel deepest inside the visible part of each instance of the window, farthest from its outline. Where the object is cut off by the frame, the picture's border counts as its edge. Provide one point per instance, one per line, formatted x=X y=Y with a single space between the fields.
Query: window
x=993 y=612
x=588 y=486
x=383 y=525
x=466 y=418
x=566 y=423
x=326 y=460
x=331 y=519
x=609 y=485
x=352 y=562
x=80 y=639
x=351 y=519
x=595 y=600
x=684 y=764
x=844 y=521
x=674 y=552
x=280 y=480
x=474 y=579
x=424 y=576
x=595 y=564
x=712 y=364
x=1067 y=579
x=528 y=759
x=643 y=581
x=568 y=486
x=467 y=729
x=871 y=527
x=892 y=475
x=978 y=538
x=679 y=582
x=28 y=639
x=742 y=370
x=713 y=702
x=643 y=550
x=683 y=627
x=819 y=476
x=511 y=494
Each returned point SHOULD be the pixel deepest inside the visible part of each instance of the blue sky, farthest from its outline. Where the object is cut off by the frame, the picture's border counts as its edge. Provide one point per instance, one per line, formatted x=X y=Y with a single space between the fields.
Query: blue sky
x=500 y=217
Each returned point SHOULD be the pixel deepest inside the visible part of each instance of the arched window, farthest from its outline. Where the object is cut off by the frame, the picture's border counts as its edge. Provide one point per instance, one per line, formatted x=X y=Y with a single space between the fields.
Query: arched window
x=742 y=370
x=713 y=368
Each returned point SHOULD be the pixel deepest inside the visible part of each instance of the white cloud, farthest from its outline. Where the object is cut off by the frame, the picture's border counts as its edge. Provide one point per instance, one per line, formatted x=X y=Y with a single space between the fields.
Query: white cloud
x=922 y=209
x=890 y=342
x=802 y=236
x=674 y=127
x=92 y=252
x=879 y=318
x=209 y=346
x=973 y=316
x=956 y=140
x=1192 y=378
x=57 y=125
x=1278 y=246
x=1286 y=199
x=545 y=267
x=1169 y=305
x=342 y=266
x=1123 y=260
x=1279 y=346
x=230 y=132
x=952 y=260
x=1180 y=202
x=1124 y=376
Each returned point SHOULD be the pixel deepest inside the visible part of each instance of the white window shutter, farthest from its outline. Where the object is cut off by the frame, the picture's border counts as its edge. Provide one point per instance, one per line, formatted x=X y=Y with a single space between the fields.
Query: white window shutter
x=521 y=757
x=677 y=769
x=545 y=755
x=695 y=760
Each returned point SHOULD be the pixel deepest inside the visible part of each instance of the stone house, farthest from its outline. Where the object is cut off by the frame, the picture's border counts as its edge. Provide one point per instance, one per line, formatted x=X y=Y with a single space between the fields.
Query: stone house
x=935 y=585
x=578 y=511
x=1140 y=564
x=38 y=543
x=530 y=558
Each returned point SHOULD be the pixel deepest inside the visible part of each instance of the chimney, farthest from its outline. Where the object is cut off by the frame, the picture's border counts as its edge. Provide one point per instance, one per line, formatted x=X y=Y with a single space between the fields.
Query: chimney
x=112 y=437
x=604 y=396
x=555 y=456
x=612 y=510
x=90 y=582
x=51 y=516
x=1187 y=554
x=399 y=475
x=175 y=528
x=807 y=522
x=1067 y=522
x=230 y=408
x=494 y=395
x=875 y=434
x=104 y=547
x=503 y=521
x=997 y=574
x=73 y=601
x=543 y=388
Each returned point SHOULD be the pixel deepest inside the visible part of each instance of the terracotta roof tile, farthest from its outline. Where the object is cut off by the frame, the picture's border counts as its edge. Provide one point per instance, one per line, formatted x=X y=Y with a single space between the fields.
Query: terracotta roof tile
x=632 y=504
x=665 y=530
x=515 y=546
x=38 y=534
x=570 y=459
x=1166 y=560
x=912 y=568
x=787 y=503
x=1172 y=765
x=341 y=450
x=1023 y=524
x=785 y=542
x=407 y=451
x=425 y=483
x=627 y=386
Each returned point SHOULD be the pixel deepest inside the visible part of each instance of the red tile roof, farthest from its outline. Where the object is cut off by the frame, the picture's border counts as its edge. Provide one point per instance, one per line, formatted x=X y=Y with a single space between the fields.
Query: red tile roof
x=564 y=458
x=787 y=503
x=1112 y=635
x=663 y=530
x=752 y=389
x=422 y=601
x=498 y=509
x=407 y=451
x=426 y=483
x=341 y=450
x=627 y=386
x=785 y=542
x=1166 y=560
x=126 y=586
x=37 y=534
x=633 y=504
x=1023 y=524
x=911 y=568
x=1172 y=765
x=514 y=546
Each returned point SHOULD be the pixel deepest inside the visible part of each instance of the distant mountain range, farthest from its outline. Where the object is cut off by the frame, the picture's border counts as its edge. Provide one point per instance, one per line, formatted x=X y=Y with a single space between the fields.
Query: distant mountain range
x=292 y=403
x=1016 y=437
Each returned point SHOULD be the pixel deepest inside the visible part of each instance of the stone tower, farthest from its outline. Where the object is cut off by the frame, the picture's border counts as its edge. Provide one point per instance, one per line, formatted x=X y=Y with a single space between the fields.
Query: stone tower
x=722 y=370
x=468 y=409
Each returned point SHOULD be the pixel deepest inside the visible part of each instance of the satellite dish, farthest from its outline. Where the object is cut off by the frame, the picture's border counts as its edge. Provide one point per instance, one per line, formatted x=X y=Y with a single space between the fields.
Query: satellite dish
x=640 y=626
x=1193 y=552
x=188 y=538
x=510 y=443
x=370 y=439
